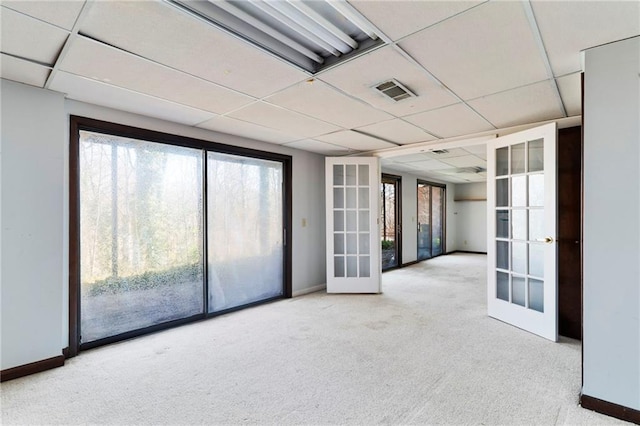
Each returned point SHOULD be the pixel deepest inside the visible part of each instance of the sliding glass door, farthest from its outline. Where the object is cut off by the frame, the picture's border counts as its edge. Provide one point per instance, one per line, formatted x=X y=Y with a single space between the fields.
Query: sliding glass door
x=141 y=234
x=390 y=233
x=431 y=208
x=245 y=248
x=163 y=233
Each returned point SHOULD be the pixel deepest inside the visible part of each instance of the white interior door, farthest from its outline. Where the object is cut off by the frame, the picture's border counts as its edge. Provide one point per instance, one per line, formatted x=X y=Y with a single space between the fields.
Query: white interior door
x=353 y=234
x=521 y=214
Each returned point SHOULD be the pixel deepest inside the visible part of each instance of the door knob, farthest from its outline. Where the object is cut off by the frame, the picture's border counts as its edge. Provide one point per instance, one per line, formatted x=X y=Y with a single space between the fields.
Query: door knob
x=547 y=240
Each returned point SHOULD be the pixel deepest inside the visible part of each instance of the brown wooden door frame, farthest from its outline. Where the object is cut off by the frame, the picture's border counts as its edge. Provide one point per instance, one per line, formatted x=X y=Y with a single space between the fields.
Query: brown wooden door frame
x=397 y=182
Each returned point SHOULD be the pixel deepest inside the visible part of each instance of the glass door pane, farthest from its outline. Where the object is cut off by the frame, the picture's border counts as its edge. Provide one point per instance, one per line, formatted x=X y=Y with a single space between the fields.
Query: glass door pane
x=141 y=235
x=522 y=165
x=390 y=214
x=437 y=195
x=431 y=227
x=424 y=221
x=245 y=229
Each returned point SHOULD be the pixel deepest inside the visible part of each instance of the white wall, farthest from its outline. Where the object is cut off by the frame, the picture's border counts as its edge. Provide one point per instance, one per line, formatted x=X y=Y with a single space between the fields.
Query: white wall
x=470 y=212
x=611 y=289
x=34 y=220
x=31 y=265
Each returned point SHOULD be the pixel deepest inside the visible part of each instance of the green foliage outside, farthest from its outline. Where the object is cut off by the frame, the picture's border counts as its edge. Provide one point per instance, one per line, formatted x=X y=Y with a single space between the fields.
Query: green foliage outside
x=387 y=245
x=147 y=280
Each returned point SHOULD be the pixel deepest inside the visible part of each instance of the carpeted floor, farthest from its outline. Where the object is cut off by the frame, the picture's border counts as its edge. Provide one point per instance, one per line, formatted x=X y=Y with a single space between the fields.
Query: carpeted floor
x=423 y=352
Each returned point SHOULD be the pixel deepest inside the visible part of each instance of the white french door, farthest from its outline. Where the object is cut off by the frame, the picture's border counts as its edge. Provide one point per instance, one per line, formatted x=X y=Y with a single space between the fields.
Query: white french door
x=521 y=214
x=353 y=234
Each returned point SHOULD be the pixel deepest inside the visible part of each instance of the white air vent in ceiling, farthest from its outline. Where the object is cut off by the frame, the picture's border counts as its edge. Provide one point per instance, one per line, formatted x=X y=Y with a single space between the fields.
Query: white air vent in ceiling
x=394 y=89
x=471 y=170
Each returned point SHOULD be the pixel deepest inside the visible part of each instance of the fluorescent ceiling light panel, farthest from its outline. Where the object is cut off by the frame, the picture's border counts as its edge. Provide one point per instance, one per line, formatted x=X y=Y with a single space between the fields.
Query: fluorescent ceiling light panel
x=311 y=35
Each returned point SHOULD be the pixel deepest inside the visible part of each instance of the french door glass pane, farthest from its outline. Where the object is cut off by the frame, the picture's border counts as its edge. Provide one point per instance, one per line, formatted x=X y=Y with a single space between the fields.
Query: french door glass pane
x=141 y=260
x=424 y=221
x=431 y=226
x=520 y=223
x=245 y=222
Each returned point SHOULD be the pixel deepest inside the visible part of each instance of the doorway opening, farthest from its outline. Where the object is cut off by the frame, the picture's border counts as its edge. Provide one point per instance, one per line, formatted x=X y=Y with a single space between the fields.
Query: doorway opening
x=431 y=219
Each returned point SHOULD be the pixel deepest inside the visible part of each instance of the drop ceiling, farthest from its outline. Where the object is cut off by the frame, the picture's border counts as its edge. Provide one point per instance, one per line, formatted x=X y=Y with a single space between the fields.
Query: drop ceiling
x=474 y=66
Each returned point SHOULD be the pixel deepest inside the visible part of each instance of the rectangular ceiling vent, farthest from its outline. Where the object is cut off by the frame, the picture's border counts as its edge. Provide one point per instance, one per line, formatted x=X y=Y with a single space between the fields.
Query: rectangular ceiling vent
x=440 y=151
x=471 y=170
x=394 y=89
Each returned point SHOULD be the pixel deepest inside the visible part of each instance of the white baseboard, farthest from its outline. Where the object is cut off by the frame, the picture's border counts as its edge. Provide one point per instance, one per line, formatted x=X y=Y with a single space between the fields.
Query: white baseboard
x=309 y=290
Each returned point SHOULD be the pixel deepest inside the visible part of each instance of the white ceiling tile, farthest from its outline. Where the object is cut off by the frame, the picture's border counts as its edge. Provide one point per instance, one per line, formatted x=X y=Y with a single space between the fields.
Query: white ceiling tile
x=479 y=150
x=529 y=104
x=166 y=35
x=59 y=13
x=396 y=19
x=91 y=91
x=571 y=93
x=319 y=147
x=466 y=161
x=95 y=60
x=398 y=131
x=284 y=120
x=23 y=71
x=355 y=140
x=29 y=38
x=567 y=27
x=248 y=130
x=429 y=165
x=486 y=50
x=400 y=167
x=471 y=177
x=454 y=120
x=409 y=158
x=320 y=100
x=356 y=78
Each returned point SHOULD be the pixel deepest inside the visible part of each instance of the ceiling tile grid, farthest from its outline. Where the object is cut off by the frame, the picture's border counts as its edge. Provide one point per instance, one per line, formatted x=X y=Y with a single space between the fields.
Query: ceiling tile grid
x=357 y=77
x=94 y=92
x=397 y=131
x=102 y=62
x=569 y=27
x=486 y=50
x=399 y=18
x=529 y=104
x=283 y=120
x=571 y=92
x=318 y=99
x=245 y=129
x=23 y=71
x=319 y=147
x=450 y=121
x=474 y=66
x=61 y=13
x=30 y=38
x=355 y=141
x=171 y=37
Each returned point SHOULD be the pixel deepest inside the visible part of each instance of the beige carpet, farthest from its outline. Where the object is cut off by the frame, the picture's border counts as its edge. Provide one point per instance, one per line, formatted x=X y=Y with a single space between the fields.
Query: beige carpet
x=424 y=352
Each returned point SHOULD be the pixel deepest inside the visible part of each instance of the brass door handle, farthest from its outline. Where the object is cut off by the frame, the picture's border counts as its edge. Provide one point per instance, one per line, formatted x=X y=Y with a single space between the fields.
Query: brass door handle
x=547 y=240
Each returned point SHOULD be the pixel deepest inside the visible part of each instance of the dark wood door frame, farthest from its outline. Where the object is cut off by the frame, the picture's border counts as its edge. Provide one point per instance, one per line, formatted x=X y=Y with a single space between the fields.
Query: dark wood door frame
x=397 y=182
